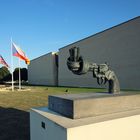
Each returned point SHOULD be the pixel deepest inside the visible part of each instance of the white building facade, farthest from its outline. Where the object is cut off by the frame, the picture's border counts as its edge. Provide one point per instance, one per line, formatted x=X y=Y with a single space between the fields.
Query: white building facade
x=44 y=70
x=118 y=46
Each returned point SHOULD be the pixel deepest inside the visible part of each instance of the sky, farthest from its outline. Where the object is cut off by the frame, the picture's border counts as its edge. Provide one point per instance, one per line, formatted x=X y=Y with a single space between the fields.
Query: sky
x=43 y=26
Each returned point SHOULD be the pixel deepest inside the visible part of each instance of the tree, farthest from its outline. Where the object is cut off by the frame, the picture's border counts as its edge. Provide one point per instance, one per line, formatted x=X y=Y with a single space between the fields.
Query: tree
x=16 y=74
x=4 y=74
x=23 y=74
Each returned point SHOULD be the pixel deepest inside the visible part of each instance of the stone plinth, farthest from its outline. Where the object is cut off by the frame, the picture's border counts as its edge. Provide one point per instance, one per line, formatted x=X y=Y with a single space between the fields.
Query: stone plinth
x=48 y=125
x=77 y=106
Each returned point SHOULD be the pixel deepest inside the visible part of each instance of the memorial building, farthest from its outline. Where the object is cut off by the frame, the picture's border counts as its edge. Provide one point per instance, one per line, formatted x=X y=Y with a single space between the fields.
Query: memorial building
x=118 y=46
x=44 y=70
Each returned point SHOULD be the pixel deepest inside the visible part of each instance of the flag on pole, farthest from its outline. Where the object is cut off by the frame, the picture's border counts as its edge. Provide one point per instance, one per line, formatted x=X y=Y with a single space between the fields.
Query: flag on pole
x=2 y=61
x=19 y=53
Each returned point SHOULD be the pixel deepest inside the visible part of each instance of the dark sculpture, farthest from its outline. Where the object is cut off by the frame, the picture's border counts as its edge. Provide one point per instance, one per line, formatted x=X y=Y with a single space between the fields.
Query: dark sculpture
x=79 y=66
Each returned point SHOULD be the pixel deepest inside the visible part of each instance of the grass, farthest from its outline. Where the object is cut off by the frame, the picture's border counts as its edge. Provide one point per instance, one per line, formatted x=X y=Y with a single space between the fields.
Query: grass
x=15 y=106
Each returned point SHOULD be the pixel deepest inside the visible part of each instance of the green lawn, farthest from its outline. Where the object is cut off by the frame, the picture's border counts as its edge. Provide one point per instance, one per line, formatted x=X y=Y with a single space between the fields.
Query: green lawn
x=15 y=106
x=36 y=96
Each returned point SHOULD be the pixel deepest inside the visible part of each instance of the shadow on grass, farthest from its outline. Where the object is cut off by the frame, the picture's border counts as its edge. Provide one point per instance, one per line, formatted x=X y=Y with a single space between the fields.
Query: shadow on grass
x=14 y=124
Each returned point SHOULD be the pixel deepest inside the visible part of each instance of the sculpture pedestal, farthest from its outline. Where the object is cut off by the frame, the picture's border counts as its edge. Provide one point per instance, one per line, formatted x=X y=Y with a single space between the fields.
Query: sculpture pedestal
x=83 y=105
x=46 y=124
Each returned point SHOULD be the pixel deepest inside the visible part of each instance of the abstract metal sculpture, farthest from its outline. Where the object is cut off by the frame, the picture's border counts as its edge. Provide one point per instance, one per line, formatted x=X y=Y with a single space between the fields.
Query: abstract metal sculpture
x=102 y=72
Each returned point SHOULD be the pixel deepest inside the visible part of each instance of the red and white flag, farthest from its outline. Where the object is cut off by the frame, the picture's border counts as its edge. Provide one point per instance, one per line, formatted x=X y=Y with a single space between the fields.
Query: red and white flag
x=19 y=53
x=2 y=61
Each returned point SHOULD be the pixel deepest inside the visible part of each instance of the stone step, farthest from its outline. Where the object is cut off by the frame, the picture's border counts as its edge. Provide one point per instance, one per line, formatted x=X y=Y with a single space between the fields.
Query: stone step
x=77 y=106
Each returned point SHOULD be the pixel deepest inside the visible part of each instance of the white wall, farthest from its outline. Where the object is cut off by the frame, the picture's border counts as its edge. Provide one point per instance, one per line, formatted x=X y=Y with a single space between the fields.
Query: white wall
x=119 y=46
x=52 y=131
x=127 y=128
x=58 y=127
x=43 y=70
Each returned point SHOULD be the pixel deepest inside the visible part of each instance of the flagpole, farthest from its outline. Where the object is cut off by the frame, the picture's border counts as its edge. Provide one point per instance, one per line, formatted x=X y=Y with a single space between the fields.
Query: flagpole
x=12 y=66
x=19 y=75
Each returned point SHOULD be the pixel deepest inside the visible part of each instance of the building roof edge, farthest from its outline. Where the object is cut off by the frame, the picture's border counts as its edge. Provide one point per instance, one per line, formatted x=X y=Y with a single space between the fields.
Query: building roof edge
x=44 y=55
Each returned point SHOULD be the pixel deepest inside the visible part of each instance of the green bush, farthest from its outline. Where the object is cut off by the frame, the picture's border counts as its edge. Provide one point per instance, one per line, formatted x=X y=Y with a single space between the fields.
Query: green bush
x=4 y=73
